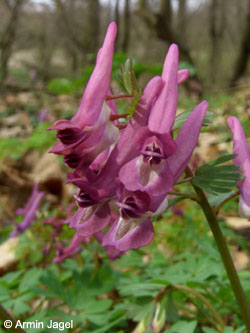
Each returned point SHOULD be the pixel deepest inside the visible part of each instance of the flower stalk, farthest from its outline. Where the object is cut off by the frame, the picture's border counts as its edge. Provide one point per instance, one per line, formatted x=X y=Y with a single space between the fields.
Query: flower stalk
x=234 y=195
x=224 y=252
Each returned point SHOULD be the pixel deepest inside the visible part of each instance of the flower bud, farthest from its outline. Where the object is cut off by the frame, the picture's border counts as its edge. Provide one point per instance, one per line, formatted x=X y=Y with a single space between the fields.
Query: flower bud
x=159 y=318
x=244 y=209
x=141 y=327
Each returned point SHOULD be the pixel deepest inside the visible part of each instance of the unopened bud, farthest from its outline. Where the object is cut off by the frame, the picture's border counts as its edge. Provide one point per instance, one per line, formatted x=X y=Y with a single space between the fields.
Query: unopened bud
x=244 y=209
x=159 y=318
x=141 y=327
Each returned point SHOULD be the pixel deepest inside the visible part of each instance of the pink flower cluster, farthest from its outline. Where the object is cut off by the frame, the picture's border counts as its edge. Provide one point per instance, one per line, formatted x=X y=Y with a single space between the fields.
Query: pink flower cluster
x=124 y=175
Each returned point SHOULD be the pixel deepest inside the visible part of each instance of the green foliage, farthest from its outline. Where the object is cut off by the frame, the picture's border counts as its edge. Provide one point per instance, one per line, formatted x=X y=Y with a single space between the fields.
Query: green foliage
x=216 y=178
x=153 y=288
x=142 y=288
x=61 y=86
x=40 y=140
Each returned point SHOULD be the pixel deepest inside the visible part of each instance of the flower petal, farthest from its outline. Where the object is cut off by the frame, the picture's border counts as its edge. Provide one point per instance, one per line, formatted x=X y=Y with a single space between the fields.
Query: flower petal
x=73 y=248
x=124 y=149
x=112 y=251
x=163 y=112
x=187 y=140
x=99 y=82
x=88 y=221
x=141 y=235
x=183 y=75
x=138 y=175
x=242 y=160
x=30 y=214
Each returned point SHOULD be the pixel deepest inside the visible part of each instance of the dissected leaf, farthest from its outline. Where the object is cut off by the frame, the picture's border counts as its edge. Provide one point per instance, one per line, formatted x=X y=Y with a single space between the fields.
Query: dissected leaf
x=215 y=178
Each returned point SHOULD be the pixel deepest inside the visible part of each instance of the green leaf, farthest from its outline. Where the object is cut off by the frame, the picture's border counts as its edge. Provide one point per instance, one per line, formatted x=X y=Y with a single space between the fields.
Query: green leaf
x=128 y=79
x=228 y=329
x=183 y=327
x=171 y=311
x=53 y=284
x=30 y=279
x=140 y=289
x=215 y=178
x=223 y=159
x=209 y=330
x=11 y=278
x=240 y=329
x=218 y=199
x=20 y=307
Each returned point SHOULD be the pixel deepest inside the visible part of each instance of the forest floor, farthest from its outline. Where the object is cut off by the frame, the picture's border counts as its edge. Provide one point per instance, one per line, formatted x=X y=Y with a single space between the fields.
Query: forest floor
x=122 y=294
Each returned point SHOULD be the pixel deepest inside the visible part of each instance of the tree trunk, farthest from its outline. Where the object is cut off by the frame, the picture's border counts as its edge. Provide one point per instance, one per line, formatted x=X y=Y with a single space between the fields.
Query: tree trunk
x=161 y=22
x=93 y=24
x=244 y=52
x=182 y=21
x=126 y=32
x=214 y=40
x=68 y=29
x=117 y=20
x=8 y=38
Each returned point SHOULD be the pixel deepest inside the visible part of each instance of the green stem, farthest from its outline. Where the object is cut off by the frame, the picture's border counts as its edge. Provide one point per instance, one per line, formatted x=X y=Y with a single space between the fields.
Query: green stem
x=224 y=252
x=5 y=316
x=184 y=194
x=234 y=195
x=216 y=315
x=185 y=180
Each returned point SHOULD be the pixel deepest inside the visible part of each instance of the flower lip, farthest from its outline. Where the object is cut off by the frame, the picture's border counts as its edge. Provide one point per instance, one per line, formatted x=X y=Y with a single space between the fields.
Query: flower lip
x=152 y=154
x=84 y=199
x=69 y=135
x=129 y=208
x=154 y=147
x=73 y=160
x=132 y=204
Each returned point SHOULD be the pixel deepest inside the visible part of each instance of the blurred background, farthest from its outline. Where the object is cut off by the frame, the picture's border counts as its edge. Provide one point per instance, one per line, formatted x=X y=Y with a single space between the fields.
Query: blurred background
x=42 y=40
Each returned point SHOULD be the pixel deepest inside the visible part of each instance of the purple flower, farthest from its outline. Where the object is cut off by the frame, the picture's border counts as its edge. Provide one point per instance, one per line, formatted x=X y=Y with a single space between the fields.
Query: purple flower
x=43 y=115
x=88 y=221
x=160 y=160
x=29 y=211
x=73 y=248
x=241 y=149
x=123 y=183
x=112 y=251
x=89 y=132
